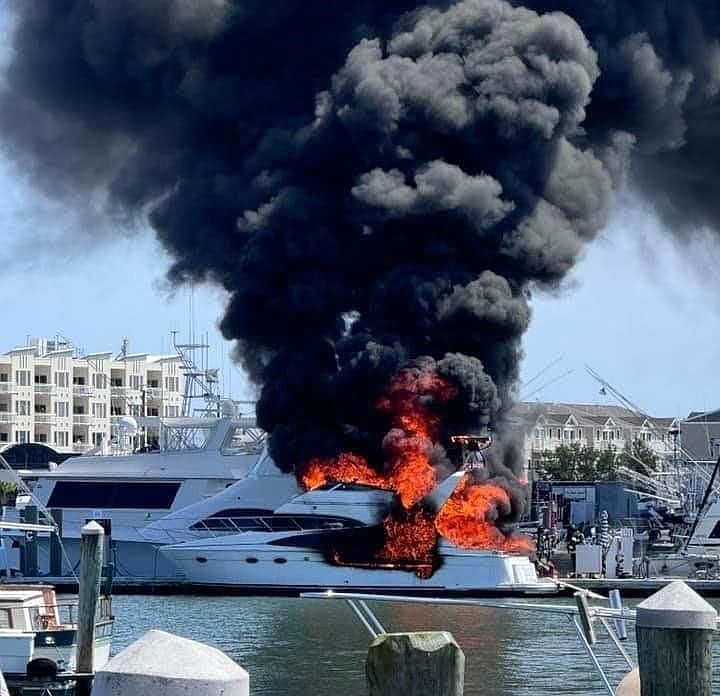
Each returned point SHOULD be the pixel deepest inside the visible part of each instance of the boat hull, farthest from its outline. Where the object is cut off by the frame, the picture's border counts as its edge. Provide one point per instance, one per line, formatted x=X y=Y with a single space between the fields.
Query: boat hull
x=262 y=567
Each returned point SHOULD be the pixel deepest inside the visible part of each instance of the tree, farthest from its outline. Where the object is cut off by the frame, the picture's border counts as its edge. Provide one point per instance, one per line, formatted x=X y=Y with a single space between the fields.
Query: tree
x=576 y=462
x=639 y=457
x=8 y=492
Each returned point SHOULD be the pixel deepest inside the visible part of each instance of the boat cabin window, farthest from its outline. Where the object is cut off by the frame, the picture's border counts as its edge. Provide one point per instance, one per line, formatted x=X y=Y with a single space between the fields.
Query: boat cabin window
x=249 y=520
x=113 y=495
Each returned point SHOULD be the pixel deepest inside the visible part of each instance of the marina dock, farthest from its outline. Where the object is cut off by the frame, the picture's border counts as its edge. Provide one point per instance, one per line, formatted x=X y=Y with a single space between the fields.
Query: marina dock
x=629 y=587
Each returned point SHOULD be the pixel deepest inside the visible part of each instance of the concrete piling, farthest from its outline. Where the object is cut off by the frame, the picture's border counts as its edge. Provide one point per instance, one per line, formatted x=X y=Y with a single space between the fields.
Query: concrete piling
x=426 y=663
x=674 y=628
x=163 y=664
x=91 y=559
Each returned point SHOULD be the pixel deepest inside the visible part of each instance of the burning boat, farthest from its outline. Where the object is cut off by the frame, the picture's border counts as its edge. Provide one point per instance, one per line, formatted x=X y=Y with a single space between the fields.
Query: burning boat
x=341 y=535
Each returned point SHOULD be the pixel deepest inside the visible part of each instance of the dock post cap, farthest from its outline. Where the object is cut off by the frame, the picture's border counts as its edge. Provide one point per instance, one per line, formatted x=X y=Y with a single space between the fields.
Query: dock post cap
x=92 y=527
x=676 y=606
x=427 y=641
x=164 y=664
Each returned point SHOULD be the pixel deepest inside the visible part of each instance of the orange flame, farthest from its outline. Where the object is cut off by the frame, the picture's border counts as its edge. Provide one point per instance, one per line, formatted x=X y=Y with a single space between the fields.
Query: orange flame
x=347 y=468
x=410 y=539
x=468 y=518
x=410 y=534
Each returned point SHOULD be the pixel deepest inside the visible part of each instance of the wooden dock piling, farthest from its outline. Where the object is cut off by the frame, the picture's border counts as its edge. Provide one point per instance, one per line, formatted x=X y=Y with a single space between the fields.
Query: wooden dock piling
x=31 y=545
x=427 y=663
x=674 y=630
x=91 y=559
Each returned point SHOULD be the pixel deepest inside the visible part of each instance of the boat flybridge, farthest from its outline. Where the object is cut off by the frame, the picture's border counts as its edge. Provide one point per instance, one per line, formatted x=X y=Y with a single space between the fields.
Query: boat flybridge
x=265 y=533
x=195 y=459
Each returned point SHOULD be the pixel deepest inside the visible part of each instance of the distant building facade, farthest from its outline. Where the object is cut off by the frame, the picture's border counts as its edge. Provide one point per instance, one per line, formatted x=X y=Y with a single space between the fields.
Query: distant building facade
x=51 y=394
x=547 y=426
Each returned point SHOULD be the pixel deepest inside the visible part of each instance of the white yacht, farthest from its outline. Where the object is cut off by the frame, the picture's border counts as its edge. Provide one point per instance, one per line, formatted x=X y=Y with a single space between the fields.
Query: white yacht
x=264 y=533
x=195 y=459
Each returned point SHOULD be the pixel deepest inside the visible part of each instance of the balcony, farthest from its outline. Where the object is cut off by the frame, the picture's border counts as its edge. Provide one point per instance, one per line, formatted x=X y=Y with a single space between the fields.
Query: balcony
x=43 y=388
x=120 y=391
x=6 y=387
x=44 y=418
x=6 y=417
x=82 y=389
x=83 y=418
x=153 y=392
x=81 y=447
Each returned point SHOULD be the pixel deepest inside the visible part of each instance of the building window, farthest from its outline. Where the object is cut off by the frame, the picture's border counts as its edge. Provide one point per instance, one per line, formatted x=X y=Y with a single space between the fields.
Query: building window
x=22 y=407
x=62 y=408
x=171 y=384
x=41 y=437
x=22 y=377
x=171 y=411
x=99 y=410
x=60 y=438
x=79 y=380
x=78 y=410
x=41 y=379
x=116 y=382
x=99 y=380
x=61 y=379
x=136 y=381
x=40 y=408
x=3 y=437
x=4 y=377
x=22 y=436
x=97 y=439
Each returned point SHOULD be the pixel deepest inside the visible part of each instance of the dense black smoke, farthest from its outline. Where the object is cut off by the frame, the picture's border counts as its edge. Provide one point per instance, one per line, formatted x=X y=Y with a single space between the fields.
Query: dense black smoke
x=659 y=81
x=375 y=184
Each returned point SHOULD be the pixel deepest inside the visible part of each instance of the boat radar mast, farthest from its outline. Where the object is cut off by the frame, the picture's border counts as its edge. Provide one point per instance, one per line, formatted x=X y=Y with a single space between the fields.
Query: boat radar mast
x=471 y=447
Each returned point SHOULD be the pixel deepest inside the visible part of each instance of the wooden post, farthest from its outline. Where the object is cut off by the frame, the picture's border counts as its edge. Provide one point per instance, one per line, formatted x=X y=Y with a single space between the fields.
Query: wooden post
x=674 y=630
x=415 y=664
x=56 y=563
x=31 y=545
x=91 y=558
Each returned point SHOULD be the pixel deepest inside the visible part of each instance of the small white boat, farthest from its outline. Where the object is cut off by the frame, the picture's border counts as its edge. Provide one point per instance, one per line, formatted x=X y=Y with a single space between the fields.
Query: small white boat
x=38 y=631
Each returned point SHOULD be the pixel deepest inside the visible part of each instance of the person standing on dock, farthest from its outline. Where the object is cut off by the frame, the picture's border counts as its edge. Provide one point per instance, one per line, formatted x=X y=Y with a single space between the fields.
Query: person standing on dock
x=574 y=537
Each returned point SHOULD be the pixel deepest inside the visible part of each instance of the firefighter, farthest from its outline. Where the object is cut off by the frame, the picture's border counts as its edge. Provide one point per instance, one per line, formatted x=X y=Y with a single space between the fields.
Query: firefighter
x=574 y=537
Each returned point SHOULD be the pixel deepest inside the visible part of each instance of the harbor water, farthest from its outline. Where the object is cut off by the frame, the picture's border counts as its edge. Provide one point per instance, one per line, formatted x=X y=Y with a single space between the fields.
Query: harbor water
x=304 y=647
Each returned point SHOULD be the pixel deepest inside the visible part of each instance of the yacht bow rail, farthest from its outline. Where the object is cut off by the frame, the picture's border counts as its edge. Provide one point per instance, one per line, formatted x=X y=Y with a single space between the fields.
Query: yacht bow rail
x=582 y=616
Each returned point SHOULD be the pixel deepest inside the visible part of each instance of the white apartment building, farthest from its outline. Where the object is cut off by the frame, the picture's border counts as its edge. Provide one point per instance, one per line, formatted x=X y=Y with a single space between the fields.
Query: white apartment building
x=52 y=395
x=546 y=426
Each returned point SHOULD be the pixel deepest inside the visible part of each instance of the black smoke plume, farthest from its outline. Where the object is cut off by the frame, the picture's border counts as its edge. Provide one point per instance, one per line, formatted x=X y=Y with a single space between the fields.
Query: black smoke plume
x=375 y=184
